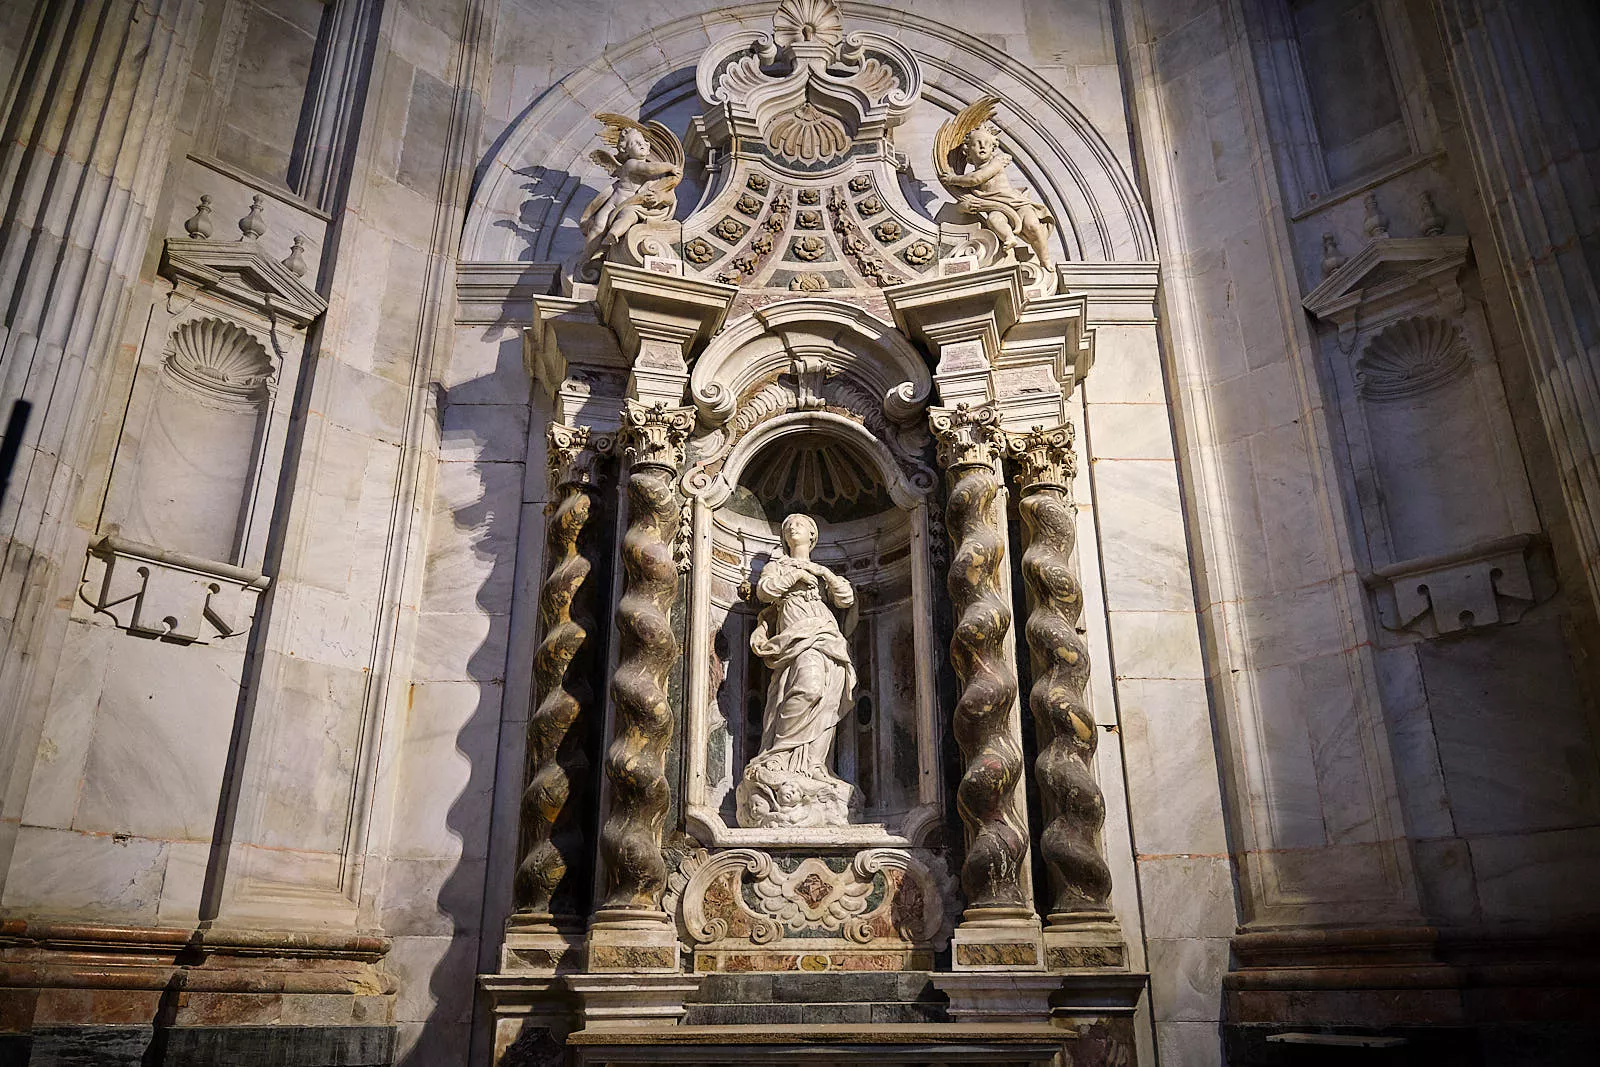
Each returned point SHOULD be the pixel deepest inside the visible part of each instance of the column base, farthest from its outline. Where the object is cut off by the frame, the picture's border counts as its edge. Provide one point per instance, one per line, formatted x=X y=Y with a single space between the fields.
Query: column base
x=997 y=939
x=617 y=1001
x=1074 y=941
x=535 y=945
x=631 y=941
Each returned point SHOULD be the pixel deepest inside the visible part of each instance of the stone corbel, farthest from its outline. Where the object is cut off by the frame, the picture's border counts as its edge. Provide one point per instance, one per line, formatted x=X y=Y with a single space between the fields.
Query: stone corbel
x=1485 y=585
x=660 y=321
x=174 y=596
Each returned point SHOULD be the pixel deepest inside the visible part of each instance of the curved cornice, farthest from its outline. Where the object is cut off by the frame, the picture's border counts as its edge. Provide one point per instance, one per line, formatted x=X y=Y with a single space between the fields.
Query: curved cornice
x=1059 y=152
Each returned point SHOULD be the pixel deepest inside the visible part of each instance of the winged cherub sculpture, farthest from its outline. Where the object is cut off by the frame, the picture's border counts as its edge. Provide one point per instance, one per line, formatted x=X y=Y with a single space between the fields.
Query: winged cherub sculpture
x=972 y=139
x=647 y=167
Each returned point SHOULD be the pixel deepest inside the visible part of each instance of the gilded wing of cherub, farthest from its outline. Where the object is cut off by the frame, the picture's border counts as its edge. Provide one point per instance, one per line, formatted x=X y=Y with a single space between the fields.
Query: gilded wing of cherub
x=949 y=154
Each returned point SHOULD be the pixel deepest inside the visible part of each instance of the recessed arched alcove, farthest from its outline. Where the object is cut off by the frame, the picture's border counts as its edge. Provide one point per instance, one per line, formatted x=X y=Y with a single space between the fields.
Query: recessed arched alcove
x=810 y=407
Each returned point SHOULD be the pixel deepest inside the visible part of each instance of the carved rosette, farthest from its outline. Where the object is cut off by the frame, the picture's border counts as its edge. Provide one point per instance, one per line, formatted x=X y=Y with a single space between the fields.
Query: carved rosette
x=630 y=842
x=1073 y=807
x=970 y=444
x=558 y=768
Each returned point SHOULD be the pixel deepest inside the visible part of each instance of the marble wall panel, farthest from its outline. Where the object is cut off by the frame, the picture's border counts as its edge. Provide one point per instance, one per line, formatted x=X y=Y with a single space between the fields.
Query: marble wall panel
x=1516 y=753
x=313 y=741
x=155 y=765
x=1172 y=769
x=1544 y=877
x=68 y=873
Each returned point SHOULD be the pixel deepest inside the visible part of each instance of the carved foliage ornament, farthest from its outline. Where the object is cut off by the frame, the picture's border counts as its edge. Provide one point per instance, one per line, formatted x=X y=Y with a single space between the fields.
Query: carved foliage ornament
x=574 y=454
x=654 y=434
x=967 y=435
x=1043 y=458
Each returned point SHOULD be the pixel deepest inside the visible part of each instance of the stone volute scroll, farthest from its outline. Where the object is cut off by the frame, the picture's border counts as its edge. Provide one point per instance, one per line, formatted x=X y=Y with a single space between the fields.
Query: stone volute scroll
x=812 y=687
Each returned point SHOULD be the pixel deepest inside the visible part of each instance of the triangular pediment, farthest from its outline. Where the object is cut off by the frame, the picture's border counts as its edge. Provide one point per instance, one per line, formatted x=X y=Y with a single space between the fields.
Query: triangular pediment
x=241 y=272
x=1384 y=269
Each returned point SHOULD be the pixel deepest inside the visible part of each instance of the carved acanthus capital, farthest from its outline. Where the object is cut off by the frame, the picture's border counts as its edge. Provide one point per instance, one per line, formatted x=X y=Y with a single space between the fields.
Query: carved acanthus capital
x=967 y=435
x=1044 y=458
x=574 y=453
x=654 y=434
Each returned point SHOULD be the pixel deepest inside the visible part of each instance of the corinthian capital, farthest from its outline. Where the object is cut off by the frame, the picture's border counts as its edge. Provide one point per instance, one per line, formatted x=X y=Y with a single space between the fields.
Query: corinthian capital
x=653 y=434
x=967 y=435
x=1044 y=458
x=574 y=453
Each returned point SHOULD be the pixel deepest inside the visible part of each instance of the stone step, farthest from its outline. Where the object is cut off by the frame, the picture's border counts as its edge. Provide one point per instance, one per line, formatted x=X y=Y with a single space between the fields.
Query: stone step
x=833 y=987
x=813 y=1013
x=833 y=997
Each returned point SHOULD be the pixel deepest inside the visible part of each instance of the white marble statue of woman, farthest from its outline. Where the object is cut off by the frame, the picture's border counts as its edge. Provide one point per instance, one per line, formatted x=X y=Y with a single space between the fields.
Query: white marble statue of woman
x=799 y=637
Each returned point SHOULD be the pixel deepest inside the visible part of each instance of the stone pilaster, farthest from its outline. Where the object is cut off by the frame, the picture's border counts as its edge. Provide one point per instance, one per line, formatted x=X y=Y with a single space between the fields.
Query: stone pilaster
x=1524 y=75
x=1080 y=930
x=998 y=929
x=630 y=932
x=89 y=128
x=549 y=872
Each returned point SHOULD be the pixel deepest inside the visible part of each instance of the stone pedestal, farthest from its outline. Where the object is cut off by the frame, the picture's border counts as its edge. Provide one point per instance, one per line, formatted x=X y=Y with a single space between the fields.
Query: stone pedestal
x=990 y=997
x=631 y=941
x=620 y=1001
x=997 y=939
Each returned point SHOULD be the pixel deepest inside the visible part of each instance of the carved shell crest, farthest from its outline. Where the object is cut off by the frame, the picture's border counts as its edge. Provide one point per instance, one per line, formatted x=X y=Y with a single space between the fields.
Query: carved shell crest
x=219 y=358
x=1410 y=357
x=807 y=135
x=808 y=20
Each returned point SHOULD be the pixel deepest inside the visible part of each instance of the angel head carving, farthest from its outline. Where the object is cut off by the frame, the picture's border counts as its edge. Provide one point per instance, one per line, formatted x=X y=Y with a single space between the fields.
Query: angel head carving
x=971 y=164
x=646 y=167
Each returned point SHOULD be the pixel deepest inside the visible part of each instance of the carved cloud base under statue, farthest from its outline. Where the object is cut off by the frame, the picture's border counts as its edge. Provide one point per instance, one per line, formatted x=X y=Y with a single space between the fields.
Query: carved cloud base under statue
x=771 y=796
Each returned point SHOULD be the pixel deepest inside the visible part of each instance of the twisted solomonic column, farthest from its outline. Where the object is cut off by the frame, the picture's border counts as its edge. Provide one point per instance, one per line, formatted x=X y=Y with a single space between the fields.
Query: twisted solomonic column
x=636 y=762
x=563 y=667
x=988 y=796
x=1073 y=807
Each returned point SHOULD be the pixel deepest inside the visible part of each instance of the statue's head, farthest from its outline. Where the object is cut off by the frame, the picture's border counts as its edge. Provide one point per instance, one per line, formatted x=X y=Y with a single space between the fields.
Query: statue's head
x=631 y=144
x=981 y=144
x=799 y=529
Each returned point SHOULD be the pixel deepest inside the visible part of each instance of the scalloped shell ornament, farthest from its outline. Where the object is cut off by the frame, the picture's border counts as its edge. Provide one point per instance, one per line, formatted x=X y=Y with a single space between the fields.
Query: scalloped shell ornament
x=1410 y=357
x=806 y=135
x=220 y=358
x=808 y=20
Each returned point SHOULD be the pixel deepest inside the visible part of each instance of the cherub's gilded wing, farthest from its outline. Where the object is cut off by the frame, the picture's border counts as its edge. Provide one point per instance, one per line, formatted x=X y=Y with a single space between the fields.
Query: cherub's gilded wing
x=664 y=144
x=947 y=151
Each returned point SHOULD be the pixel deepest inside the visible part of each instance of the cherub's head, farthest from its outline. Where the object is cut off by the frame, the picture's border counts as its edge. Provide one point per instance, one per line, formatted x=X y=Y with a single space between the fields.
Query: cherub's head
x=799 y=534
x=981 y=144
x=631 y=144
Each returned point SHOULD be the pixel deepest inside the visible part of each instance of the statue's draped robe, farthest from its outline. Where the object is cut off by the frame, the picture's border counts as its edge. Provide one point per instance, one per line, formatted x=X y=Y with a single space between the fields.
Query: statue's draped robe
x=812 y=677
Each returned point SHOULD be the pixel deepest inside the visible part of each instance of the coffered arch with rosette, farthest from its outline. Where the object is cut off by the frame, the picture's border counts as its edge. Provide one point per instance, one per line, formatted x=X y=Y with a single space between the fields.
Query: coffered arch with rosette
x=537 y=176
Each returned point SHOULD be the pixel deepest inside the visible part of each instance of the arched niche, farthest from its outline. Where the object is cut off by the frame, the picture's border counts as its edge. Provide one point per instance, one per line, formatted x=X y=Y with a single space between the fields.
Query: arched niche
x=1058 y=151
x=795 y=404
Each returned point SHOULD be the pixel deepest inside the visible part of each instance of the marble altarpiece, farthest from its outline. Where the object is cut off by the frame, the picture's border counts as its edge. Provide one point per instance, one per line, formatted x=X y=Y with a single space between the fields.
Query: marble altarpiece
x=800 y=439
